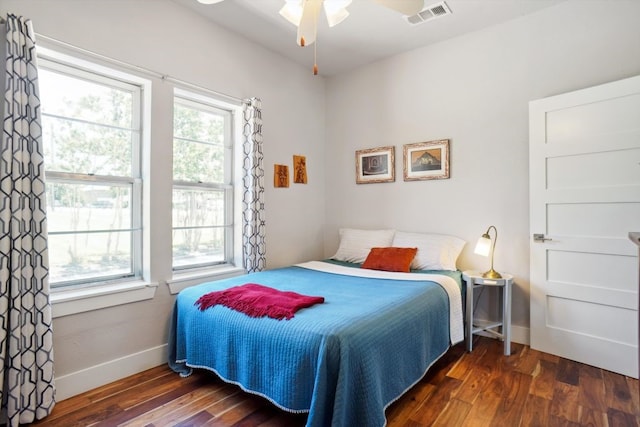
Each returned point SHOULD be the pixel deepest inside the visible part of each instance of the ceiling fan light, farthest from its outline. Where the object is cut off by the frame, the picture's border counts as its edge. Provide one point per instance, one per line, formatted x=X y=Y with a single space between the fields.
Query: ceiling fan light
x=336 y=11
x=209 y=1
x=292 y=12
x=334 y=18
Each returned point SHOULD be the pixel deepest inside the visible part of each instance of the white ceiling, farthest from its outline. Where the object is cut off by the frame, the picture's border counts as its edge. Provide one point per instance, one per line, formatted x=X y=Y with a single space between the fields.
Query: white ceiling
x=370 y=33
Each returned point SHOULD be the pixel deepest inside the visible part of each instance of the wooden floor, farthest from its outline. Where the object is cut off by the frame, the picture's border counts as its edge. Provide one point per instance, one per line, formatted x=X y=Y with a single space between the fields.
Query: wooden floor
x=482 y=388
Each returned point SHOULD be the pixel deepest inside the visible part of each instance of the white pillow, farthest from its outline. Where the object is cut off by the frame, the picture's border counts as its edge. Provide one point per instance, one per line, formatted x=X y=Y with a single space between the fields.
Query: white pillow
x=435 y=251
x=356 y=244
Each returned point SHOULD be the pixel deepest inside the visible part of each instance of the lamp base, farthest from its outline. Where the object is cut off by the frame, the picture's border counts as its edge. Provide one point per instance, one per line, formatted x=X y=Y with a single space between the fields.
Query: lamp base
x=492 y=274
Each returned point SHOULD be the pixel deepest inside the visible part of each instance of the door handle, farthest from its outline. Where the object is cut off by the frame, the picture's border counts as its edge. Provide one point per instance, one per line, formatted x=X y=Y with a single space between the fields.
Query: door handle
x=540 y=238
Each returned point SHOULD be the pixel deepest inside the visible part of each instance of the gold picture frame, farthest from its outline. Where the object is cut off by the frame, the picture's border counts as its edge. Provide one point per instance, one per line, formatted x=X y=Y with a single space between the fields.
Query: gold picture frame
x=375 y=165
x=426 y=160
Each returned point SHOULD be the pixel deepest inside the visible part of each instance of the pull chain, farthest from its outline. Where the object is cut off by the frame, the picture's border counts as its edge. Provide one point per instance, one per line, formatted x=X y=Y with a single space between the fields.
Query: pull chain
x=315 y=45
x=315 y=55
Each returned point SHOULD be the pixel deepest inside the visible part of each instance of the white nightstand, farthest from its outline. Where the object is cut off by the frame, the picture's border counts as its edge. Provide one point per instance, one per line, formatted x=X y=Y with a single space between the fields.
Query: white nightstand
x=474 y=280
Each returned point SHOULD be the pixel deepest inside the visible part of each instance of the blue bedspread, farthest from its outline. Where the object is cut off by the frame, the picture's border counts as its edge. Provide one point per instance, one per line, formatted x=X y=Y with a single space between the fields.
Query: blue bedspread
x=343 y=361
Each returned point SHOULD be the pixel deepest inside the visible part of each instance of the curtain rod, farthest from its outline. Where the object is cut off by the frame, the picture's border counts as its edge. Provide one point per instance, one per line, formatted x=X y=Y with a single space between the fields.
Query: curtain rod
x=164 y=77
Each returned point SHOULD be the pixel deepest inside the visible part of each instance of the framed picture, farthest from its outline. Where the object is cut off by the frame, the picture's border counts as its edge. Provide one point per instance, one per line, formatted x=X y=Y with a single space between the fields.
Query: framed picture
x=426 y=160
x=375 y=165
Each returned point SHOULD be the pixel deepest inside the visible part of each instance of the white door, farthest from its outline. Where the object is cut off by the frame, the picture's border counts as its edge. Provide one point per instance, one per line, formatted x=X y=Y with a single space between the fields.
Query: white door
x=584 y=167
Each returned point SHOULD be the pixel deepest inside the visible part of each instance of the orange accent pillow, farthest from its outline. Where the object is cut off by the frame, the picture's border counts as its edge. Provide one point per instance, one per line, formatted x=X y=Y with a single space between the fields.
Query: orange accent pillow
x=390 y=259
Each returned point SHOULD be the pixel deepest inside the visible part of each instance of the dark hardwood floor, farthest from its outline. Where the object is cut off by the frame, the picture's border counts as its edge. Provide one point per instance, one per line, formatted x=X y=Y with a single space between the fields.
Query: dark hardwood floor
x=482 y=388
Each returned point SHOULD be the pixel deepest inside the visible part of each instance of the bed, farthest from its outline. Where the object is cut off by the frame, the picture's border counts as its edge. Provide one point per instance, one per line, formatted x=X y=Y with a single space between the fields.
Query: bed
x=342 y=361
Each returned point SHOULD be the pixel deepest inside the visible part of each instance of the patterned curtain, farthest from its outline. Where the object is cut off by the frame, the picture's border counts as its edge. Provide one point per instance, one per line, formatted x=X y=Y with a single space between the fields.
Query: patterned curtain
x=253 y=224
x=26 y=353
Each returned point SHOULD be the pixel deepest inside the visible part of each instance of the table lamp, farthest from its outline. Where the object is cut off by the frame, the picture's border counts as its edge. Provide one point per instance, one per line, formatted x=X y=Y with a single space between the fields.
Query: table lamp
x=486 y=246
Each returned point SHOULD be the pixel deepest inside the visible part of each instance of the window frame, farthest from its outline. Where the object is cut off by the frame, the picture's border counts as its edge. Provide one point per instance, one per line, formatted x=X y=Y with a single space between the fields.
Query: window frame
x=70 y=300
x=75 y=67
x=196 y=100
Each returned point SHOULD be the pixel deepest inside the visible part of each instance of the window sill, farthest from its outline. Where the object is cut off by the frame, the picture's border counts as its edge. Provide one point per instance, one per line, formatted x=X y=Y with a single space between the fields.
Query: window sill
x=184 y=280
x=66 y=302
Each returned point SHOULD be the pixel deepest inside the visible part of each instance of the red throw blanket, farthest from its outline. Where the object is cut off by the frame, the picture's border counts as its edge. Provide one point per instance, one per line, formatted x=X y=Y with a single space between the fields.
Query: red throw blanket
x=258 y=301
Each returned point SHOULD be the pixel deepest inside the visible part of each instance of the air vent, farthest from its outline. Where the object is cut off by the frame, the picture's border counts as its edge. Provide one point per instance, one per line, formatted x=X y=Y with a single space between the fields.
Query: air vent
x=434 y=11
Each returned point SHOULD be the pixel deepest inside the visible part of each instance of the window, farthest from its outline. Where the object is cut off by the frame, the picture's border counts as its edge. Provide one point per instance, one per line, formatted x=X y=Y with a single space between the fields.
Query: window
x=91 y=135
x=202 y=182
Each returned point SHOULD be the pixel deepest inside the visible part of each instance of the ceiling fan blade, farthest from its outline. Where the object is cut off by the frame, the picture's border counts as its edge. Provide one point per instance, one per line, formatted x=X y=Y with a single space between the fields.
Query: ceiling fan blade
x=308 y=27
x=406 y=7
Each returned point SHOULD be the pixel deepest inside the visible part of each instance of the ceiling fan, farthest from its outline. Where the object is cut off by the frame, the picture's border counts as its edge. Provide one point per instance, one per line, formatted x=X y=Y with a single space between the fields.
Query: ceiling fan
x=304 y=14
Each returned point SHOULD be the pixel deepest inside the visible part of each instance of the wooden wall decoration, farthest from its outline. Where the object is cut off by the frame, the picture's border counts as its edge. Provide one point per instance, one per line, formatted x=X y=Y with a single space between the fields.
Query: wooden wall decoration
x=299 y=169
x=280 y=176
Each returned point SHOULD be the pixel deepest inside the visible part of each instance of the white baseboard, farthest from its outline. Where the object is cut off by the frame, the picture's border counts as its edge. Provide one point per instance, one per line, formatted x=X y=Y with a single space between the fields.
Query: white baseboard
x=520 y=334
x=89 y=378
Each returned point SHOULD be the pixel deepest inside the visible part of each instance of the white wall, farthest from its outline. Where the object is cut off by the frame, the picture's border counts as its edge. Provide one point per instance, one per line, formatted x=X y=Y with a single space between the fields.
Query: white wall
x=473 y=90
x=93 y=347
